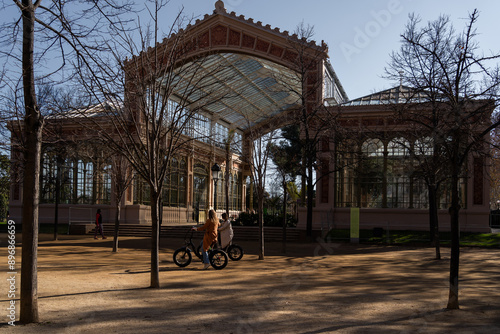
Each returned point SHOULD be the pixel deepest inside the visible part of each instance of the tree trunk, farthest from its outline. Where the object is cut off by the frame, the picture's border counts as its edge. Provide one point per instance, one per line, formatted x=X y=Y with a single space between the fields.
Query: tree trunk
x=310 y=201
x=117 y=226
x=433 y=219
x=33 y=124
x=29 y=278
x=284 y=216
x=303 y=179
x=58 y=196
x=260 y=213
x=455 y=244
x=155 y=238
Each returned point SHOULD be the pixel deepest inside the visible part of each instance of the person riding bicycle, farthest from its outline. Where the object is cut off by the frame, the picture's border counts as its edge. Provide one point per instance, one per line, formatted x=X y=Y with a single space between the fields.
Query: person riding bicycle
x=210 y=236
x=226 y=231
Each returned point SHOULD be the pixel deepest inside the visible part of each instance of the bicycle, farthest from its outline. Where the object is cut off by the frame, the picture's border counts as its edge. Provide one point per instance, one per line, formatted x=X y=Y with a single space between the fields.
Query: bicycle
x=190 y=244
x=182 y=256
x=234 y=251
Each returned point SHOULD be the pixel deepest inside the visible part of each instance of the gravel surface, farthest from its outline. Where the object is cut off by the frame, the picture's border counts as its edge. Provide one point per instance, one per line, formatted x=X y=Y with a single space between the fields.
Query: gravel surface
x=314 y=288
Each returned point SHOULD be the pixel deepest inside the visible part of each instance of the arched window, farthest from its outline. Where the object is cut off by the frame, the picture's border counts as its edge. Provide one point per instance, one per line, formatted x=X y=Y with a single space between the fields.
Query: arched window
x=398 y=173
x=398 y=147
x=392 y=175
x=373 y=148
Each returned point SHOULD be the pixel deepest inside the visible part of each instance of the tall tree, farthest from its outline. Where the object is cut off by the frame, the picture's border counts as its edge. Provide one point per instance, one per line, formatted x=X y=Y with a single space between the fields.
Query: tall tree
x=150 y=98
x=446 y=68
x=47 y=24
x=33 y=125
x=258 y=150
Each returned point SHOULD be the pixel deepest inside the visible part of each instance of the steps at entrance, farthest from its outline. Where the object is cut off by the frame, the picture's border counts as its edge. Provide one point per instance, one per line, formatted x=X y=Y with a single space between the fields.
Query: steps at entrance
x=240 y=232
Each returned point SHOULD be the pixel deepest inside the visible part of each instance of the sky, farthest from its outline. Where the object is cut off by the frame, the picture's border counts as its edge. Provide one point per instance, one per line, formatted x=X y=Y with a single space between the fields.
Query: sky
x=361 y=34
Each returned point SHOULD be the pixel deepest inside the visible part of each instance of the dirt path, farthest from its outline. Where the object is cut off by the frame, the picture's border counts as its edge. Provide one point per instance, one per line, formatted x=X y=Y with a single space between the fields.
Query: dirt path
x=315 y=288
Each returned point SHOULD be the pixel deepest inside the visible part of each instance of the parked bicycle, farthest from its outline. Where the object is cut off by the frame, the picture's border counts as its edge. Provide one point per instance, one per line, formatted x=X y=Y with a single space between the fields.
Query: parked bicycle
x=182 y=257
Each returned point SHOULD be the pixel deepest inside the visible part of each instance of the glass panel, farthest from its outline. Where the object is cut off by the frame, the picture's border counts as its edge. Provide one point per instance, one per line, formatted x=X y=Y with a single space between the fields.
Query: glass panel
x=141 y=191
x=200 y=189
x=398 y=174
x=104 y=188
x=84 y=182
x=48 y=179
x=67 y=185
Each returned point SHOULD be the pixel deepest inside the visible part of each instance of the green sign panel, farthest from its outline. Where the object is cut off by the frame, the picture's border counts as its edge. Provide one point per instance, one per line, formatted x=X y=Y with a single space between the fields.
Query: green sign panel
x=355 y=225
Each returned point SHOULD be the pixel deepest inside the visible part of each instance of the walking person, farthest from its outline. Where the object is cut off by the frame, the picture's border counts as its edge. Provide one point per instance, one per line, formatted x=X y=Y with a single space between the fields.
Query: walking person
x=210 y=236
x=226 y=231
x=98 y=224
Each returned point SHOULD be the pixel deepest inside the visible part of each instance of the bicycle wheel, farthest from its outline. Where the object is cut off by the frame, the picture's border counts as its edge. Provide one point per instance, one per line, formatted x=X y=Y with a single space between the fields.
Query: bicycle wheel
x=218 y=259
x=182 y=257
x=235 y=252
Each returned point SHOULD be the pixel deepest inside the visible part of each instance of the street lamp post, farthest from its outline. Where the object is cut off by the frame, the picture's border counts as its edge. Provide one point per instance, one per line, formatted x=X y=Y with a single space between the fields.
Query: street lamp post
x=215 y=177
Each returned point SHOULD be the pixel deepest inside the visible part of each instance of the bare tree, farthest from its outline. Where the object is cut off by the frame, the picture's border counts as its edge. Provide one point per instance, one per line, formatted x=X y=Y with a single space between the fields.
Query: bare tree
x=49 y=25
x=456 y=84
x=150 y=95
x=258 y=152
x=33 y=124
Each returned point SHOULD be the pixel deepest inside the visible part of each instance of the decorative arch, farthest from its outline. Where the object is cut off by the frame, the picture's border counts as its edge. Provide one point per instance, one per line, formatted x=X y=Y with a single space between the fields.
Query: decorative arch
x=227 y=33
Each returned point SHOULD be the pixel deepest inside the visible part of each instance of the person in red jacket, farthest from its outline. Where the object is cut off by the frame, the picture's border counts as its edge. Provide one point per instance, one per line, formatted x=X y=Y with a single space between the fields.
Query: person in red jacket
x=210 y=236
x=98 y=224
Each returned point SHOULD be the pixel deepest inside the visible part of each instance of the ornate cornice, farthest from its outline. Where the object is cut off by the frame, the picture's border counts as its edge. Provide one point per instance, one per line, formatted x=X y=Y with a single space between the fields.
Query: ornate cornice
x=221 y=10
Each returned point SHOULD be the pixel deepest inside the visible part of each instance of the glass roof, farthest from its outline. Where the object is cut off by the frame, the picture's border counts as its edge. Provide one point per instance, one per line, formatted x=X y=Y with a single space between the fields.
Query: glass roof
x=240 y=89
x=399 y=94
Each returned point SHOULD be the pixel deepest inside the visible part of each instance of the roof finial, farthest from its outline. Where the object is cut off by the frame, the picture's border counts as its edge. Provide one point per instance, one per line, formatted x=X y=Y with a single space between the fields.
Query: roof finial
x=219 y=7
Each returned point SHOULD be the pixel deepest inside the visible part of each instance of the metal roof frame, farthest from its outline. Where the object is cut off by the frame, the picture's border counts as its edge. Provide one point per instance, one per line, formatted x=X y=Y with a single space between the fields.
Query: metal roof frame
x=253 y=88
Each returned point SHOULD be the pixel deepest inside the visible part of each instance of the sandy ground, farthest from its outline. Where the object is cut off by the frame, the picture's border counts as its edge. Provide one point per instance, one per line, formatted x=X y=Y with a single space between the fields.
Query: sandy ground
x=314 y=288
